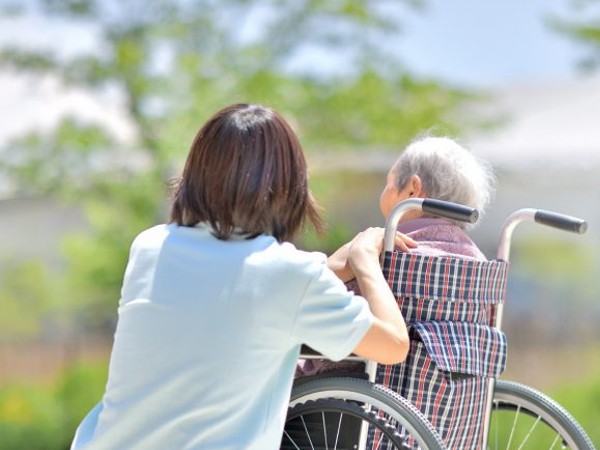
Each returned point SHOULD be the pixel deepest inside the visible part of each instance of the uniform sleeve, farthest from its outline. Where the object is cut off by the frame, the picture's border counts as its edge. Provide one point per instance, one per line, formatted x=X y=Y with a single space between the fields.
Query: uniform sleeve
x=330 y=319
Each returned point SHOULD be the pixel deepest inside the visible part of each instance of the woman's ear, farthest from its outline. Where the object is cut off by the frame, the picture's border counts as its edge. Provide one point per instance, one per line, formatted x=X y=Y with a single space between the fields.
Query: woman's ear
x=416 y=187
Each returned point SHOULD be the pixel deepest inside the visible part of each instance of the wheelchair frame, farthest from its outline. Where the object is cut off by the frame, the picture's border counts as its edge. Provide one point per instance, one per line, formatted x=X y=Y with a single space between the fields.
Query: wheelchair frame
x=502 y=395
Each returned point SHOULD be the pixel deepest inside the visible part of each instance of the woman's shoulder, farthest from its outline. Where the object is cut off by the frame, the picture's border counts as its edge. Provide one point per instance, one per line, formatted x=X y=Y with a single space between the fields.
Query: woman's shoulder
x=287 y=257
x=152 y=235
x=292 y=253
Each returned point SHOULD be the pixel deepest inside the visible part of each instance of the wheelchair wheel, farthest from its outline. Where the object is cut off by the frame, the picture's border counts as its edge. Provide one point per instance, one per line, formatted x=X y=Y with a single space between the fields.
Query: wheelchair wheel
x=392 y=422
x=336 y=424
x=527 y=419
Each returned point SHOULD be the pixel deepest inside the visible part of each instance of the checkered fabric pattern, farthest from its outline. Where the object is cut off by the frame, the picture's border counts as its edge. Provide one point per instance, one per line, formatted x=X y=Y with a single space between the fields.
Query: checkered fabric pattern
x=445 y=288
x=449 y=305
x=462 y=347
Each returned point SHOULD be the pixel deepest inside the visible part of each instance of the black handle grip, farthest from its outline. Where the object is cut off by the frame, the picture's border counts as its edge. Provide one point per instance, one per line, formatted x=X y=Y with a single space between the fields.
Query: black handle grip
x=450 y=210
x=561 y=221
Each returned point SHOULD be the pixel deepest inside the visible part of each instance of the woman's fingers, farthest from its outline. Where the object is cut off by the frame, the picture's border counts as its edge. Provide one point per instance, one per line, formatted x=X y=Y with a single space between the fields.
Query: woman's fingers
x=371 y=241
x=368 y=241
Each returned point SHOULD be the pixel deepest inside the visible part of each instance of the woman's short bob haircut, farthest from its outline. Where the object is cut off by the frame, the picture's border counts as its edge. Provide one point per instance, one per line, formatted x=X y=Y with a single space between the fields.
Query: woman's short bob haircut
x=245 y=175
x=447 y=172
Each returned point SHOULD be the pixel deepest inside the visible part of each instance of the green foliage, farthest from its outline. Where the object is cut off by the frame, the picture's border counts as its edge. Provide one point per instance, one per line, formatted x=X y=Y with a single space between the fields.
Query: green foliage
x=99 y=262
x=337 y=235
x=582 y=25
x=548 y=256
x=373 y=111
x=42 y=416
x=27 y=291
x=77 y=391
x=30 y=418
x=62 y=162
x=562 y=266
x=582 y=400
x=173 y=64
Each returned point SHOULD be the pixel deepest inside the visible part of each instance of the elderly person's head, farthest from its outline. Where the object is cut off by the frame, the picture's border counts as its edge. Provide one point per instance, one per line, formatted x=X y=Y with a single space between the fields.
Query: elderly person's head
x=437 y=167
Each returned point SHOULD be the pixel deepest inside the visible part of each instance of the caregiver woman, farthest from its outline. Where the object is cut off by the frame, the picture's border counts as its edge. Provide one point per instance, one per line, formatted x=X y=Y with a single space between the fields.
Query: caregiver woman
x=216 y=304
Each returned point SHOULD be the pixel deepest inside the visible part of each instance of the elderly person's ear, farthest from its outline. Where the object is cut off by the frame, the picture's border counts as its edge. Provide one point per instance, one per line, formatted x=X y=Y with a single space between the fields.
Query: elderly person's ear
x=391 y=195
x=414 y=188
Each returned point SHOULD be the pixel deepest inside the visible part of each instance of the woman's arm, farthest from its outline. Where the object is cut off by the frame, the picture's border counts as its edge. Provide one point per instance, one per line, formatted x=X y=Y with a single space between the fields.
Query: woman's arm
x=338 y=262
x=387 y=340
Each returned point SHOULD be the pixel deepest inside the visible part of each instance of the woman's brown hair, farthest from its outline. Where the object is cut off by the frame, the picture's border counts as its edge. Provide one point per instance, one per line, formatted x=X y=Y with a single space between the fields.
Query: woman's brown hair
x=245 y=175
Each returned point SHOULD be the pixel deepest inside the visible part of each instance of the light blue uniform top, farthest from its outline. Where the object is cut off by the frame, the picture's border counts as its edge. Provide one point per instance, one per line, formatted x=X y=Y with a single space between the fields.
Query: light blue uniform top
x=208 y=337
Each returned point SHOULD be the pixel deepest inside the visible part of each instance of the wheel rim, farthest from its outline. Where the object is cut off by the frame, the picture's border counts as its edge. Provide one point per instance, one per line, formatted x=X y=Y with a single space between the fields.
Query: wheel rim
x=405 y=418
x=517 y=423
x=333 y=424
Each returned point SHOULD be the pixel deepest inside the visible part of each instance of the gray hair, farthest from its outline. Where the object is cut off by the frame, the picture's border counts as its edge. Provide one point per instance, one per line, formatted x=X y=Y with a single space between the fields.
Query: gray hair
x=447 y=171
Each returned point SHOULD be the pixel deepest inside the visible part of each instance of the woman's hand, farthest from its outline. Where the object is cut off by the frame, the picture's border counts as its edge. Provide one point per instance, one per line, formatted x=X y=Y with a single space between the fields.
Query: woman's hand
x=372 y=239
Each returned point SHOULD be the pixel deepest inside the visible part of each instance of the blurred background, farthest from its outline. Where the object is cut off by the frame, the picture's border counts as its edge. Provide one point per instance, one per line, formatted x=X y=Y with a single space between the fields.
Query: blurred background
x=100 y=100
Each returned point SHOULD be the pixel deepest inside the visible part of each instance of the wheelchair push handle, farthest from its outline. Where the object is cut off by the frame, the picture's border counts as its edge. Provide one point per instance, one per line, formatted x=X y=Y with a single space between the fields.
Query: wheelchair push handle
x=448 y=210
x=549 y=218
x=560 y=221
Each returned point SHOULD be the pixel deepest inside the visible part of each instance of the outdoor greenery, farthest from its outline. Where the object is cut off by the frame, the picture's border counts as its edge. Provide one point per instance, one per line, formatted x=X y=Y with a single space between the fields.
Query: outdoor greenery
x=582 y=25
x=171 y=65
x=43 y=416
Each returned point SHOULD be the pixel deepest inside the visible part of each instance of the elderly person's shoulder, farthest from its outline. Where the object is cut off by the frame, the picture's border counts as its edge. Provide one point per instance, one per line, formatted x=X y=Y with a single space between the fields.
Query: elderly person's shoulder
x=440 y=237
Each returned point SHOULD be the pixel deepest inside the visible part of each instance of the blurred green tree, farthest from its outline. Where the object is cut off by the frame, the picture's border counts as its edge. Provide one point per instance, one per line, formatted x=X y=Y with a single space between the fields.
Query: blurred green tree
x=330 y=66
x=26 y=290
x=582 y=25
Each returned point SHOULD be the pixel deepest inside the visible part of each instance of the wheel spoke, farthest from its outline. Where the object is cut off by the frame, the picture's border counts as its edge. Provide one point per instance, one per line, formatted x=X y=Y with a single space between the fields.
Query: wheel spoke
x=307 y=433
x=529 y=432
x=337 y=433
x=286 y=434
x=325 y=430
x=556 y=440
x=514 y=427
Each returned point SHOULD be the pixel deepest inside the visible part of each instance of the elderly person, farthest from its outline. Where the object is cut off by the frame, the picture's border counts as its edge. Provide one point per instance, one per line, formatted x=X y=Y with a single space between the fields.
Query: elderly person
x=432 y=167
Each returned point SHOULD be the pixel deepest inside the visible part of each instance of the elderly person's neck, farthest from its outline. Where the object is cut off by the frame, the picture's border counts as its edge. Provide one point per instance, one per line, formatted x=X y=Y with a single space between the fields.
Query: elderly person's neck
x=439 y=237
x=411 y=224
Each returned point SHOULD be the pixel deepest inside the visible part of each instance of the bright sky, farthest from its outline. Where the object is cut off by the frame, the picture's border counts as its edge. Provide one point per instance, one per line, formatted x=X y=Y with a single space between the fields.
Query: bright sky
x=466 y=42
x=490 y=43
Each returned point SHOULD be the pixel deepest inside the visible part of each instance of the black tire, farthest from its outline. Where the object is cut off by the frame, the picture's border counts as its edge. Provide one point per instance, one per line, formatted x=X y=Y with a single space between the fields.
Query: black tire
x=335 y=424
x=527 y=419
x=415 y=430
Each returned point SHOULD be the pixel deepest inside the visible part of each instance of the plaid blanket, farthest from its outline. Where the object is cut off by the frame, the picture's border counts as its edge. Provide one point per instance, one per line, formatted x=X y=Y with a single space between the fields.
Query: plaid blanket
x=449 y=305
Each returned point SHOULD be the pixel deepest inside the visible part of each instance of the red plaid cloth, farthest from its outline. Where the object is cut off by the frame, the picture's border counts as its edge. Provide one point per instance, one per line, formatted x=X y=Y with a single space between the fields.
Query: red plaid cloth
x=448 y=304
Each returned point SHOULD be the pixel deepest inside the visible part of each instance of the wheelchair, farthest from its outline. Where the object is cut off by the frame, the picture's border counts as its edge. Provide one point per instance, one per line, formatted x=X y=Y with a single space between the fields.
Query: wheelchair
x=447 y=394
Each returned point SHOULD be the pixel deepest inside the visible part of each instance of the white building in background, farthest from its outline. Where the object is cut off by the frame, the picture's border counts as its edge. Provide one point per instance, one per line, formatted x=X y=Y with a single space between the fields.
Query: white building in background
x=548 y=124
x=547 y=156
x=33 y=228
x=546 y=152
